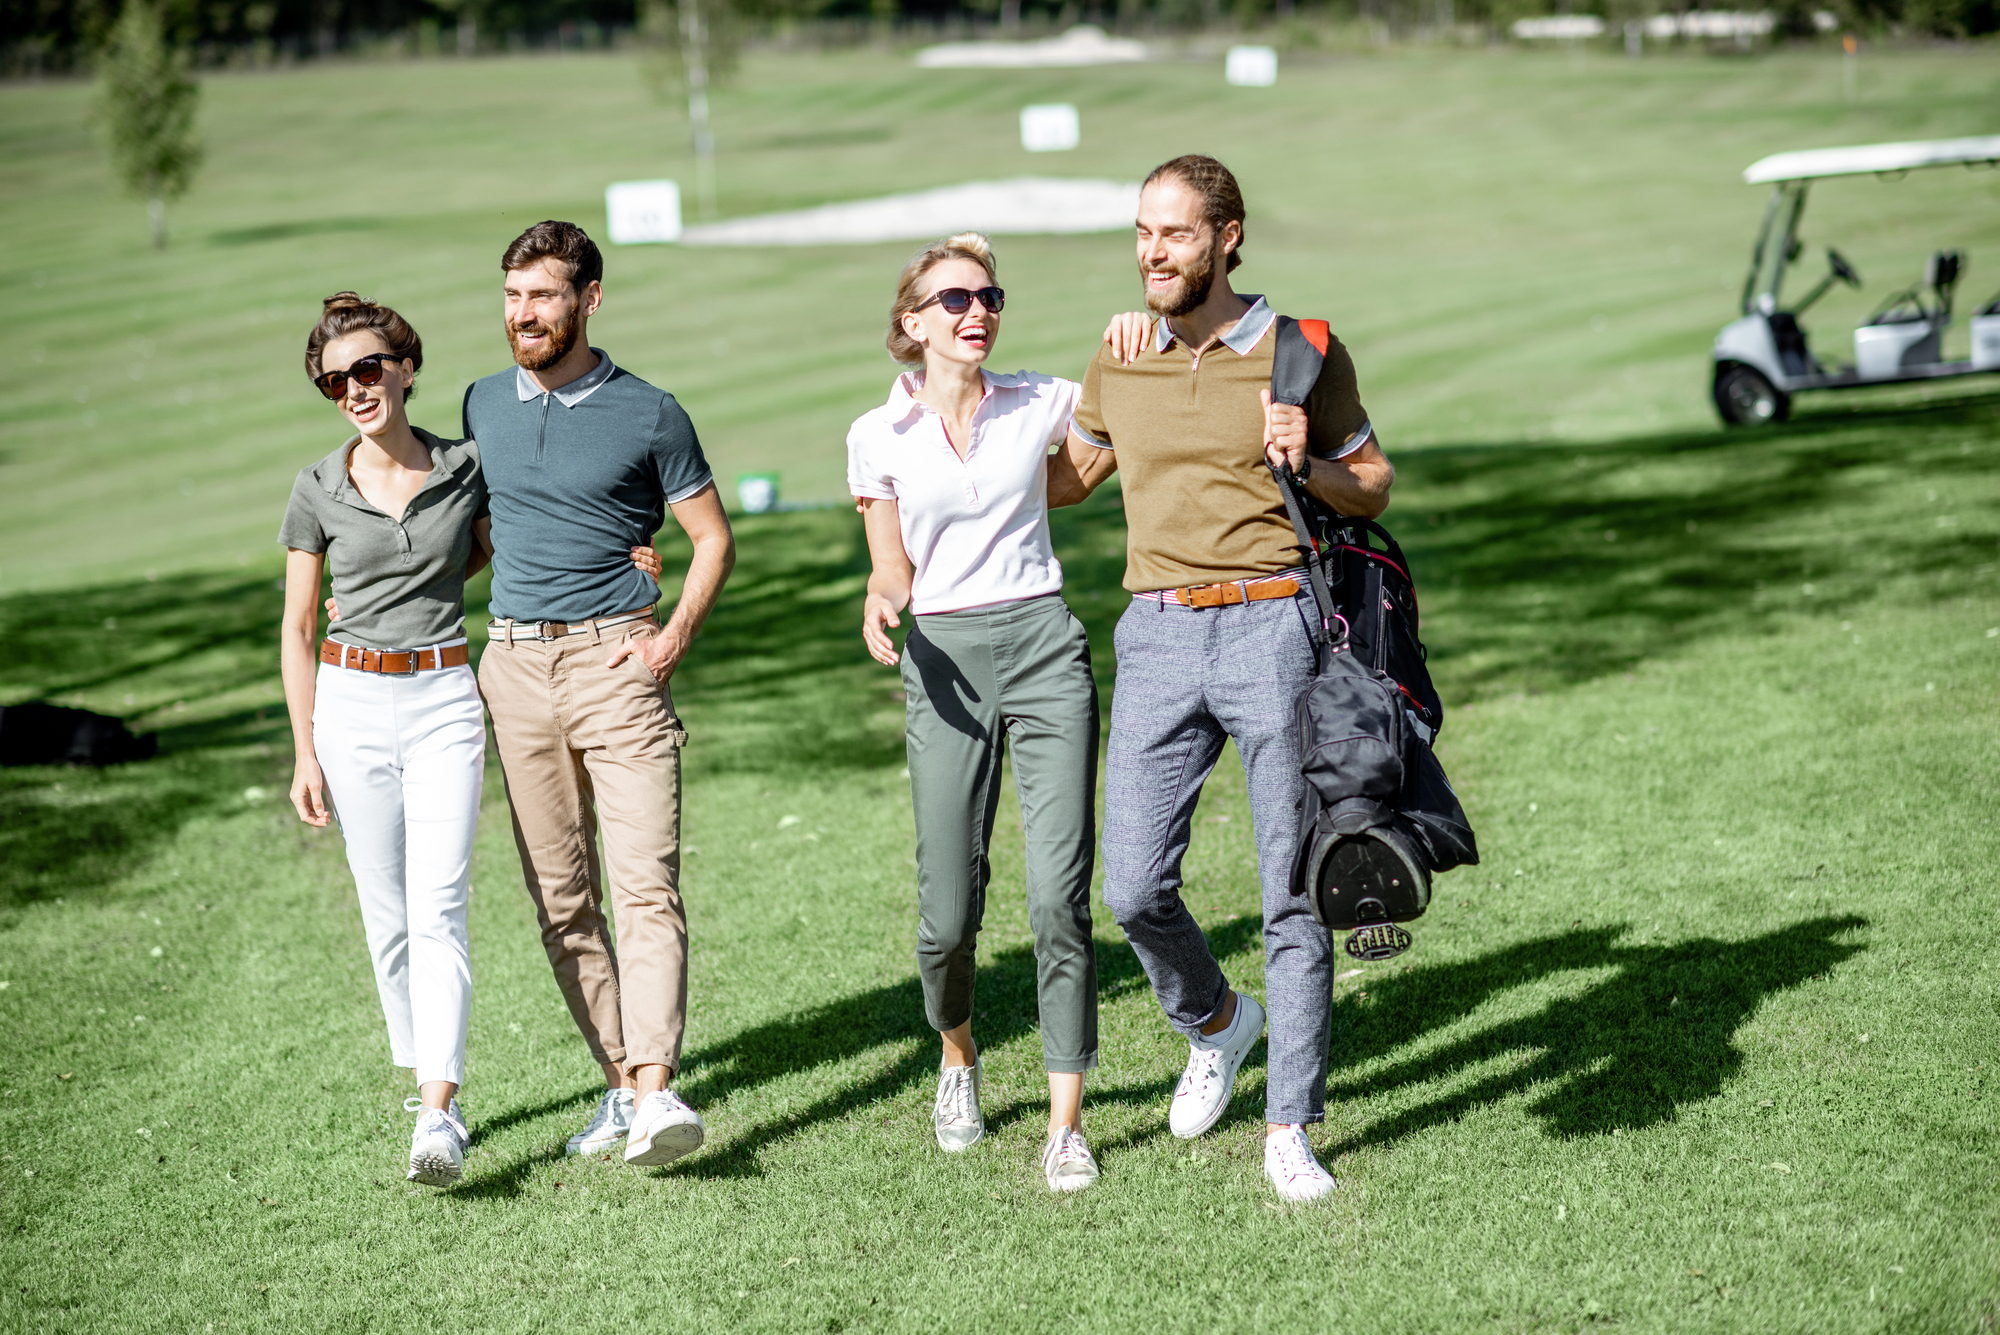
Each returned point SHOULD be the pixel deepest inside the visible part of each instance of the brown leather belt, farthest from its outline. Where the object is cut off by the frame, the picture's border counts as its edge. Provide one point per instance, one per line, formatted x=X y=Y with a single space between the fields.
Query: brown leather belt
x=392 y=662
x=1239 y=591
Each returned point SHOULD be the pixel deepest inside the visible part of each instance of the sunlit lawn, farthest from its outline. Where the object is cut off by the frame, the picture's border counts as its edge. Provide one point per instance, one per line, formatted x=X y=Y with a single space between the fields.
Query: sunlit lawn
x=1704 y=1043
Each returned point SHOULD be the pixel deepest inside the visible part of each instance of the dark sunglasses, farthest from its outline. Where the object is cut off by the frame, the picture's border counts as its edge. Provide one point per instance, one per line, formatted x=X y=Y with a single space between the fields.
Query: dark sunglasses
x=958 y=300
x=365 y=371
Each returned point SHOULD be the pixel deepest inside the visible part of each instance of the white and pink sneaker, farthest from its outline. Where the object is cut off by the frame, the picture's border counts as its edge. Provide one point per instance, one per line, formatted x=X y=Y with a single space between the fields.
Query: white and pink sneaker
x=1294 y=1172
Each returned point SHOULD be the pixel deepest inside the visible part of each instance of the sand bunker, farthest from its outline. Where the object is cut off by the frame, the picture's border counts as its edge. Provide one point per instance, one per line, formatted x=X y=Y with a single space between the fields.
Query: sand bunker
x=1081 y=45
x=1025 y=206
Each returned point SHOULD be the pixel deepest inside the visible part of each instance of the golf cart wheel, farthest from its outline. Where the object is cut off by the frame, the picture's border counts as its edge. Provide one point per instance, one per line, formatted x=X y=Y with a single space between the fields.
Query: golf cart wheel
x=1745 y=398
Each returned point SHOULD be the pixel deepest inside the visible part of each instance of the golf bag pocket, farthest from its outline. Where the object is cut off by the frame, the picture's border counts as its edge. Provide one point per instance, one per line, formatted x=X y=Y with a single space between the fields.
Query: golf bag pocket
x=1433 y=813
x=1352 y=731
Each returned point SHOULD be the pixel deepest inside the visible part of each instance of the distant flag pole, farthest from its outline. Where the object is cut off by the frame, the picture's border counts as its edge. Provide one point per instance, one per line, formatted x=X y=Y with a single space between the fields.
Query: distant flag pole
x=694 y=34
x=1850 y=57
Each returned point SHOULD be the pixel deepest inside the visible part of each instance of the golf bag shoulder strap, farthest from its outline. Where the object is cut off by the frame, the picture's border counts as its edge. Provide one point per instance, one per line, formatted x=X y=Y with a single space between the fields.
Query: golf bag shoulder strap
x=1329 y=613
x=1296 y=358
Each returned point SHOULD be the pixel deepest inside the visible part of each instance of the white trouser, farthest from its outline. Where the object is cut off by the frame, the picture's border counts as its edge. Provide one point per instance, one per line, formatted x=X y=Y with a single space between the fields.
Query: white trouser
x=404 y=760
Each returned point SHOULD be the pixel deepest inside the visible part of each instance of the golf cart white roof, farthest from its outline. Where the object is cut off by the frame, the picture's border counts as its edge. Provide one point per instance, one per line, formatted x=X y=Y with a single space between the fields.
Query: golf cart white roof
x=1810 y=163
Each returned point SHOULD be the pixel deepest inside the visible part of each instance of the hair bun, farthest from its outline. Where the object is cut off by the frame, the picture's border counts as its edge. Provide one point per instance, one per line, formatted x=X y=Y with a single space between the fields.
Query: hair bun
x=346 y=301
x=972 y=243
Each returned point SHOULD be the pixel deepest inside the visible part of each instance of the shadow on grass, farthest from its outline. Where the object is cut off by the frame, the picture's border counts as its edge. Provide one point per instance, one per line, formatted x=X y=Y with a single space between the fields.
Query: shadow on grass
x=888 y=1020
x=1561 y=562
x=1510 y=543
x=1626 y=1053
x=247 y=236
x=490 y=1126
x=185 y=644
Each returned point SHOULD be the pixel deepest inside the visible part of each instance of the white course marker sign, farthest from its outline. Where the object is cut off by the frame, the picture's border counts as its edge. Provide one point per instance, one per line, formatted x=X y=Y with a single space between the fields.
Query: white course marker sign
x=642 y=212
x=1051 y=127
x=1251 y=66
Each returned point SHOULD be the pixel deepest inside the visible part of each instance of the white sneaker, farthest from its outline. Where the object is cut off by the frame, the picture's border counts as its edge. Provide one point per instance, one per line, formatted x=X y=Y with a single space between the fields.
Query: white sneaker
x=663 y=1129
x=1289 y=1163
x=1203 y=1093
x=955 y=1116
x=437 y=1150
x=608 y=1125
x=1067 y=1162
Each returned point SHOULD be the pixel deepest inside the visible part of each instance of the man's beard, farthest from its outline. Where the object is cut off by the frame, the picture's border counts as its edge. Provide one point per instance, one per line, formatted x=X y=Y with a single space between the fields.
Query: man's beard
x=561 y=338
x=1184 y=296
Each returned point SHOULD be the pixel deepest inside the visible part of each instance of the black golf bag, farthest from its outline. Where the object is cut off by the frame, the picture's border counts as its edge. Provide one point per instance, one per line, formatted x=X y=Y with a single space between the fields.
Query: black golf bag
x=1379 y=817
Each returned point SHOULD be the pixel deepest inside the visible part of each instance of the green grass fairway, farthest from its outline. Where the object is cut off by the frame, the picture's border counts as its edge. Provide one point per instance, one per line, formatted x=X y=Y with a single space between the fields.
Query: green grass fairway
x=1514 y=244
x=1706 y=1042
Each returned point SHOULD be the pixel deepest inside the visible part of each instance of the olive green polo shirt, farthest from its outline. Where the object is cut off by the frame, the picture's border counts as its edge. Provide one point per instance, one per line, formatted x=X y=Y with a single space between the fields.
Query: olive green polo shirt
x=1201 y=506
x=399 y=580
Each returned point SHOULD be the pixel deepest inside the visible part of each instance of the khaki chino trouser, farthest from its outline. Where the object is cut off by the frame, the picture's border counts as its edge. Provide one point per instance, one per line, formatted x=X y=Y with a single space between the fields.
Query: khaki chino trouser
x=583 y=748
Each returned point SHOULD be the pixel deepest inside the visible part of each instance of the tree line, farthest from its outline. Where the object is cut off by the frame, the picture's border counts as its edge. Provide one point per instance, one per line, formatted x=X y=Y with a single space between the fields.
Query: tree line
x=60 y=35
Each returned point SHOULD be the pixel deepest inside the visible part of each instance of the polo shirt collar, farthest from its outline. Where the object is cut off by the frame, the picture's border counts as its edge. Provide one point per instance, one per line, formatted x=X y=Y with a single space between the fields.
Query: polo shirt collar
x=446 y=460
x=576 y=391
x=903 y=394
x=1242 y=336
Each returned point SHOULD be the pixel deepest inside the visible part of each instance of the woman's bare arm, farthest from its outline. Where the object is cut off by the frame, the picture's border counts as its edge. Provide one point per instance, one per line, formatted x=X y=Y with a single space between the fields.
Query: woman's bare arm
x=890 y=579
x=299 y=662
x=482 y=546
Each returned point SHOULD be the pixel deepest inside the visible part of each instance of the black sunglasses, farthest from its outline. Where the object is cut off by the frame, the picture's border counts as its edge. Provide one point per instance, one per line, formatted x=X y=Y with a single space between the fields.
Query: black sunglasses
x=365 y=371
x=958 y=300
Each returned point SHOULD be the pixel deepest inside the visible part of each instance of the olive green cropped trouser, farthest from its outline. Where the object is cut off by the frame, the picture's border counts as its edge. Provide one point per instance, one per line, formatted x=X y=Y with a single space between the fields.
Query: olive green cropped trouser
x=1013 y=674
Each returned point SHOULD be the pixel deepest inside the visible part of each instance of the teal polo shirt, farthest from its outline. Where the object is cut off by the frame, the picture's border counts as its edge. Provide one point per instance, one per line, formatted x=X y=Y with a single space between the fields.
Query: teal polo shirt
x=576 y=478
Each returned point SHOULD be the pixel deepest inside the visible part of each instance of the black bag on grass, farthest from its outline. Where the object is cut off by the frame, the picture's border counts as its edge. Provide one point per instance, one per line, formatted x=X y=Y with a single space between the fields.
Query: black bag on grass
x=1378 y=816
x=39 y=733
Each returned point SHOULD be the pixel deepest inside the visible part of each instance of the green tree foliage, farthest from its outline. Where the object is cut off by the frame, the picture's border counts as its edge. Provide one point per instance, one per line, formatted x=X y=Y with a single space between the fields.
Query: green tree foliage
x=146 y=105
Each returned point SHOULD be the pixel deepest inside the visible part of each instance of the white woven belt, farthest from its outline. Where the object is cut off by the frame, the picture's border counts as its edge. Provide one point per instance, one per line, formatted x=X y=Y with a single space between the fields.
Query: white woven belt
x=511 y=630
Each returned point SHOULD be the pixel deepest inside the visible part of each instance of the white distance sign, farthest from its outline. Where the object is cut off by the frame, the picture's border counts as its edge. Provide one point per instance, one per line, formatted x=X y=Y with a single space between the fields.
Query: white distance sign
x=640 y=212
x=1252 y=66
x=1050 y=128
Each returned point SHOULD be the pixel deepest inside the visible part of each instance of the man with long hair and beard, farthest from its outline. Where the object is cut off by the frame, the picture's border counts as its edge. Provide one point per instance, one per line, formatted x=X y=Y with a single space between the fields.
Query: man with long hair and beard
x=583 y=462
x=1217 y=642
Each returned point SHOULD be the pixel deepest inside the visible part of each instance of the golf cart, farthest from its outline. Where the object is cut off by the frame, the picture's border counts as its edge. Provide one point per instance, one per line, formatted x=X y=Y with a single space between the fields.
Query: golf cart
x=1762 y=359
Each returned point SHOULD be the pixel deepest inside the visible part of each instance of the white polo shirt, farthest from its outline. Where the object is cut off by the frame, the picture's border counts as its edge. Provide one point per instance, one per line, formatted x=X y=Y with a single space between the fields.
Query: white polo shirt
x=976 y=529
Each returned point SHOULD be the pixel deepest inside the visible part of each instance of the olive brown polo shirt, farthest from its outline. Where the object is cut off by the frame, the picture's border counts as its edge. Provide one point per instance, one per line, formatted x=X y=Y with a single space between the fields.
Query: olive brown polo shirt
x=399 y=580
x=1201 y=506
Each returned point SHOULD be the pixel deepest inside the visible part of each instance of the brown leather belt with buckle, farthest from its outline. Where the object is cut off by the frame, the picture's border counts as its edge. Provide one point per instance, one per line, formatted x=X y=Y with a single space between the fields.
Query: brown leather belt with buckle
x=1239 y=591
x=392 y=662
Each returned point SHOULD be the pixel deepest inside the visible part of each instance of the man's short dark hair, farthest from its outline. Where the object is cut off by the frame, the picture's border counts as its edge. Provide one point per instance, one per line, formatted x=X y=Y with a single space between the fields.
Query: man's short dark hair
x=557 y=241
x=1221 y=197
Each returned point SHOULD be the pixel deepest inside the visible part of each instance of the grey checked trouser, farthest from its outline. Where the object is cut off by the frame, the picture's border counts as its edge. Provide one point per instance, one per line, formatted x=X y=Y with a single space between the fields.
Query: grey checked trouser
x=1187 y=679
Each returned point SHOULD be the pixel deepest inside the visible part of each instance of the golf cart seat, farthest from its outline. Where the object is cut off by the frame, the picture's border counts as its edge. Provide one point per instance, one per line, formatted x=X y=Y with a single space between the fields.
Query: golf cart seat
x=1904 y=332
x=1986 y=336
x=1941 y=274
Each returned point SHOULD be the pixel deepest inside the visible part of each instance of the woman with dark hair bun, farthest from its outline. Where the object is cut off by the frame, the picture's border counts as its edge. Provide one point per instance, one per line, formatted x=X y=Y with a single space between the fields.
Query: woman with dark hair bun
x=387 y=725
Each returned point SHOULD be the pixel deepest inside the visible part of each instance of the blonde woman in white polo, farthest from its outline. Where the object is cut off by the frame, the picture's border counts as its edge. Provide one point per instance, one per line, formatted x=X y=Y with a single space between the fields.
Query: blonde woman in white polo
x=952 y=477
